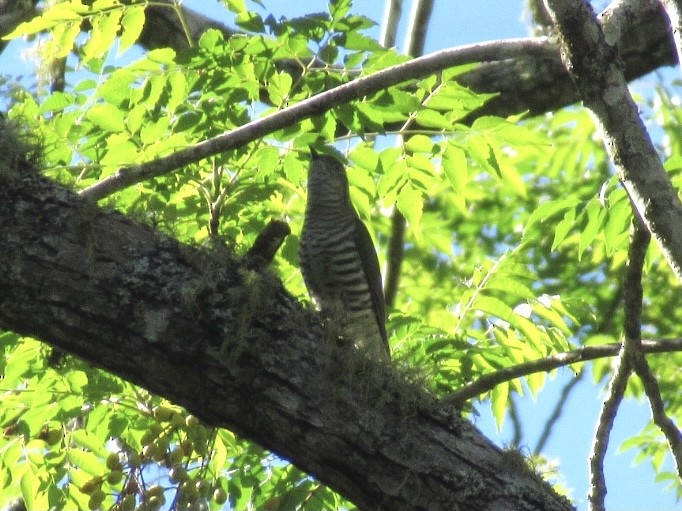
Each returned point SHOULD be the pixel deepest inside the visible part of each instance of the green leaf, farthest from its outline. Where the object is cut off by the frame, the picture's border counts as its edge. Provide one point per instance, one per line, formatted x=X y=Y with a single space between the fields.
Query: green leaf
x=120 y=151
x=87 y=461
x=359 y=42
x=102 y=35
x=63 y=39
x=595 y=216
x=494 y=306
x=29 y=489
x=236 y=6
x=107 y=117
x=56 y=102
x=617 y=223
x=152 y=132
x=90 y=442
x=419 y=144
x=510 y=286
x=56 y=14
x=563 y=228
x=279 y=87
x=483 y=153
x=455 y=167
x=364 y=157
x=219 y=457
x=177 y=85
x=547 y=209
x=411 y=205
x=132 y=24
x=453 y=98
x=433 y=119
x=499 y=400
x=512 y=178
x=394 y=176
x=268 y=159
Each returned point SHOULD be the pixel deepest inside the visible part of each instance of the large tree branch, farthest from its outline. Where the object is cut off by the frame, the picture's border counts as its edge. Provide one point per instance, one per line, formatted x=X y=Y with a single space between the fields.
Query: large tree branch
x=591 y=58
x=234 y=348
x=589 y=54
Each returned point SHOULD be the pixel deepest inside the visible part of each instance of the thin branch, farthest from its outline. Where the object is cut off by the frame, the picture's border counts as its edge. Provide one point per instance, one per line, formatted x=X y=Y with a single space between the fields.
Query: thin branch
x=389 y=26
x=489 y=381
x=632 y=283
x=396 y=253
x=632 y=296
x=517 y=425
x=414 y=46
x=556 y=413
x=632 y=348
x=659 y=416
x=419 y=23
x=321 y=103
x=607 y=416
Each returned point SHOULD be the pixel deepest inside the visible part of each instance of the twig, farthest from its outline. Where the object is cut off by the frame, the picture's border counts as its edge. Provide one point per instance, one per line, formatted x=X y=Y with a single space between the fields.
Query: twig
x=517 y=425
x=489 y=381
x=321 y=103
x=267 y=244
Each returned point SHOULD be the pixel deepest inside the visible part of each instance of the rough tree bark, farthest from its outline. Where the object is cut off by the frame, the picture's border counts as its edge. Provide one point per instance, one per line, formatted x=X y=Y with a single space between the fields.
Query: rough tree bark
x=235 y=349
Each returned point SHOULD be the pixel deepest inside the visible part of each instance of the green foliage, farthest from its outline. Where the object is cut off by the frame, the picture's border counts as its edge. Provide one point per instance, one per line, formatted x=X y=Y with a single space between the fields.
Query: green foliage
x=516 y=241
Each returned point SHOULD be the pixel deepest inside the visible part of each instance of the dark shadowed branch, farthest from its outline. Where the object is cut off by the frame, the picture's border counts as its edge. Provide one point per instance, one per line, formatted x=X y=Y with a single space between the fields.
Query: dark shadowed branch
x=489 y=381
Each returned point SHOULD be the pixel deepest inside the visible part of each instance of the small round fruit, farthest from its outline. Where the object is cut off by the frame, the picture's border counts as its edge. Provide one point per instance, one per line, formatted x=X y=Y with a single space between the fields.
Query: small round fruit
x=128 y=503
x=96 y=499
x=162 y=413
x=113 y=462
x=219 y=496
x=177 y=474
x=53 y=436
x=176 y=455
x=91 y=485
x=114 y=477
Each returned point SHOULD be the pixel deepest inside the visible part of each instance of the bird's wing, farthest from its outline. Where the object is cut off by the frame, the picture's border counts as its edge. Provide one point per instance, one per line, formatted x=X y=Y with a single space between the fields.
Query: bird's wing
x=370 y=266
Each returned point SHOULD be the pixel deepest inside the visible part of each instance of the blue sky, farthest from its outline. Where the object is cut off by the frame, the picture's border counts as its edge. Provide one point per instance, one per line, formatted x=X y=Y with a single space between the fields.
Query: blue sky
x=630 y=488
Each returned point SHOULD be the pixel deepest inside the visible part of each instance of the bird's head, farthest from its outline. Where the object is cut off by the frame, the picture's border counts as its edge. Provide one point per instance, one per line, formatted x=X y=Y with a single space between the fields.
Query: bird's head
x=327 y=178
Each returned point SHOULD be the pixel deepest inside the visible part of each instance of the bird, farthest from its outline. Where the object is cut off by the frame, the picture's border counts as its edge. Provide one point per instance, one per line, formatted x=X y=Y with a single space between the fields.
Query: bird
x=339 y=263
